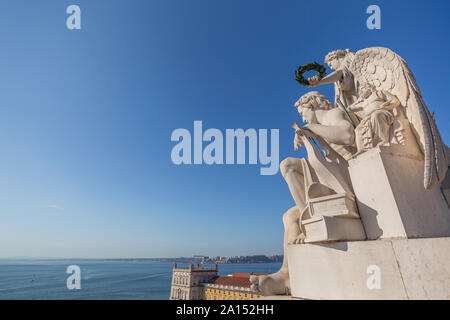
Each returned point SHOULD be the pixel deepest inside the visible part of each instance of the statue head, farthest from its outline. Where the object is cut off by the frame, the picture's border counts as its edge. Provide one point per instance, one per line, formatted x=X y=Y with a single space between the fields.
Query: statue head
x=366 y=89
x=335 y=58
x=309 y=103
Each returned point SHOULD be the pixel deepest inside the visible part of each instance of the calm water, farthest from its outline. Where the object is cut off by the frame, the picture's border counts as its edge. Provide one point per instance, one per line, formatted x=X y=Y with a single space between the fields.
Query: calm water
x=100 y=279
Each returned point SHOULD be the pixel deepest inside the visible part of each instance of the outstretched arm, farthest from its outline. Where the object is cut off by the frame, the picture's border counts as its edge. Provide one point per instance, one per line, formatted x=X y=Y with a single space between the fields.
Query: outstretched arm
x=331 y=78
x=342 y=133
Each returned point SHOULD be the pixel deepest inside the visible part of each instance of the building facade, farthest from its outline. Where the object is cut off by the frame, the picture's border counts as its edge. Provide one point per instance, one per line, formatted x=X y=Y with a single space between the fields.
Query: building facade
x=198 y=283
x=187 y=282
x=232 y=287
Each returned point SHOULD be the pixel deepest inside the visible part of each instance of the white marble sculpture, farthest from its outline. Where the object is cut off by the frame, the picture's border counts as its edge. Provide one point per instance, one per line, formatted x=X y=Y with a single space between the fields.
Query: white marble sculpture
x=387 y=72
x=378 y=106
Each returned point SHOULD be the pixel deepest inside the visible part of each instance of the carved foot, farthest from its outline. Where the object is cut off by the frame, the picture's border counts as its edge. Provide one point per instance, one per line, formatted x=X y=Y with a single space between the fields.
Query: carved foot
x=383 y=143
x=358 y=153
x=272 y=284
x=299 y=239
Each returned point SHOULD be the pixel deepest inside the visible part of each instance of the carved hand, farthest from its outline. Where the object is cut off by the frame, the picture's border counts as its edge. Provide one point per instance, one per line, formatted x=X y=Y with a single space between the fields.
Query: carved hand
x=301 y=133
x=355 y=107
x=313 y=81
x=297 y=140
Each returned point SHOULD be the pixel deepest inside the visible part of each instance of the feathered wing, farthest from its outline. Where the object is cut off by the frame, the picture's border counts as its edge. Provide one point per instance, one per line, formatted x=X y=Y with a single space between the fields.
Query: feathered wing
x=388 y=71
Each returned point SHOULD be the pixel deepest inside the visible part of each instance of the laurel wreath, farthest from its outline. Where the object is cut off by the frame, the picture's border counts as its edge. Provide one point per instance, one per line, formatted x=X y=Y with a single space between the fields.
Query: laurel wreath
x=308 y=67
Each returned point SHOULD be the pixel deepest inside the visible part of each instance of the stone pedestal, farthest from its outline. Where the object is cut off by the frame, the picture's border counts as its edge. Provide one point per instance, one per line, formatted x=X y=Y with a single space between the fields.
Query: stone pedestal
x=392 y=201
x=406 y=269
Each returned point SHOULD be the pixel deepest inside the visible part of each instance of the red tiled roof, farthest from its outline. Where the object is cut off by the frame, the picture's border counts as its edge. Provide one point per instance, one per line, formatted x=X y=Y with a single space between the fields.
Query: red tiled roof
x=248 y=274
x=236 y=280
x=232 y=281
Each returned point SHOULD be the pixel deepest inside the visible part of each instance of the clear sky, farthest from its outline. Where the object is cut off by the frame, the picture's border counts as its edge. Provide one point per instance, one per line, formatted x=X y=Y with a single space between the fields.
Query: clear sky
x=86 y=115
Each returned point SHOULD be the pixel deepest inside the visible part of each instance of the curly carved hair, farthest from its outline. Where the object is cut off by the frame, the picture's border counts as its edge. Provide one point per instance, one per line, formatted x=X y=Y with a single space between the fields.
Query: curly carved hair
x=366 y=89
x=336 y=54
x=313 y=100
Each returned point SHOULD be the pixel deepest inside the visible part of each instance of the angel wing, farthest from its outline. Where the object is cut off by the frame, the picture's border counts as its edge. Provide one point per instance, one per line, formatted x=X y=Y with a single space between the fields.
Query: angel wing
x=387 y=71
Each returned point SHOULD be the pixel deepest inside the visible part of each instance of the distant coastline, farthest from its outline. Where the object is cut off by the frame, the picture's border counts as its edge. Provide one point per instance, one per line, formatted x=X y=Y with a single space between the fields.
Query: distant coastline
x=187 y=260
x=223 y=260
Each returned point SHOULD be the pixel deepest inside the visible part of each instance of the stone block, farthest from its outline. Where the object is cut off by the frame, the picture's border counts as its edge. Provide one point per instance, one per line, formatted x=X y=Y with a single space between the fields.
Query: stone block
x=342 y=205
x=407 y=269
x=325 y=229
x=425 y=267
x=391 y=198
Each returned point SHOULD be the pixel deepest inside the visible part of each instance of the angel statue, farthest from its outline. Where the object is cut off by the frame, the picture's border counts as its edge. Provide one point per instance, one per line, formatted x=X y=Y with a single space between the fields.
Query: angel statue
x=318 y=175
x=377 y=103
x=390 y=80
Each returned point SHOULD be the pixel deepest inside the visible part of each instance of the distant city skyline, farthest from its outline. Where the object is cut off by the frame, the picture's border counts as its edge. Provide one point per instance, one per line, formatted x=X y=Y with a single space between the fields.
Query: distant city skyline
x=86 y=116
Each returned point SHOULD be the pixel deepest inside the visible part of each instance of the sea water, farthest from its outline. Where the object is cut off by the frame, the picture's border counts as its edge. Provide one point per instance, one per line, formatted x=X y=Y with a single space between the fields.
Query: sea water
x=100 y=279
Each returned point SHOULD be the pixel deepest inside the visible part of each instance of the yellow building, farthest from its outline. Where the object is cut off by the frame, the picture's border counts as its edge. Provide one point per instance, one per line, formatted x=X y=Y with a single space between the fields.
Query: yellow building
x=233 y=287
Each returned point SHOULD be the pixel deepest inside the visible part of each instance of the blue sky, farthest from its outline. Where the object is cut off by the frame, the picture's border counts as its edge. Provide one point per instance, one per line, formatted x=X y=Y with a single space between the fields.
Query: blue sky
x=86 y=115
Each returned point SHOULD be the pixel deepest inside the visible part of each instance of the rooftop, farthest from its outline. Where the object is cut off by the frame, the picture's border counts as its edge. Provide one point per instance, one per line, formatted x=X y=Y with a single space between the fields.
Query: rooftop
x=236 y=280
x=191 y=267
